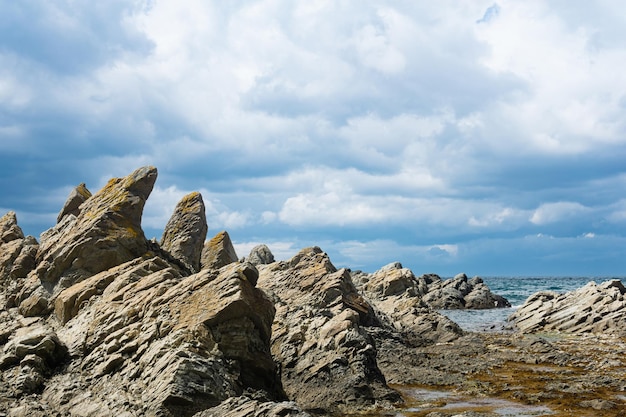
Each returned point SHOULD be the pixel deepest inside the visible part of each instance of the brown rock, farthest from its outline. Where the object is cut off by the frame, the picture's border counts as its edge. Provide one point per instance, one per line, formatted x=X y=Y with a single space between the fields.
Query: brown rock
x=77 y=197
x=106 y=232
x=319 y=334
x=185 y=232
x=9 y=230
x=218 y=252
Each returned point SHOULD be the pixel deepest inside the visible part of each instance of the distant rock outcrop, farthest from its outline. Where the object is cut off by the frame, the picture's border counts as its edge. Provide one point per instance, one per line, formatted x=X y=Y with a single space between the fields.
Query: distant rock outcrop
x=461 y=293
x=218 y=252
x=261 y=255
x=185 y=232
x=594 y=308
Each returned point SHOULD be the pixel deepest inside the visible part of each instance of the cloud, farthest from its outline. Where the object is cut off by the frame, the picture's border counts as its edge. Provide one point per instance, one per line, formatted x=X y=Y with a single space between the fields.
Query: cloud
x=414 y=124
x=557 y=212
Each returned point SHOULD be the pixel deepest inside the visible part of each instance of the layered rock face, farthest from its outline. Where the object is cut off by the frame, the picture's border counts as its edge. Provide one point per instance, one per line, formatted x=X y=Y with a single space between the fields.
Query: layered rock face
x=119 y=325
x=95 y=320
x=594 y=308
x=328 y=359
x=396 y=292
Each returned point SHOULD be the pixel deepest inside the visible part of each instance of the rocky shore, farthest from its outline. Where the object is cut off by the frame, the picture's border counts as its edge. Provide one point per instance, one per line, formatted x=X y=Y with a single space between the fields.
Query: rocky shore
x=97 y=320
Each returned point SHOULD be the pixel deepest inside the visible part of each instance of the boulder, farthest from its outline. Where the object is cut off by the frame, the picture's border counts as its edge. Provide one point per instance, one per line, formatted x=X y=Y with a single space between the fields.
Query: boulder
x=328 y=359
x=261 y=255
x=594 y=308
x=77 y=197
x=185 y=232
x=218 y=252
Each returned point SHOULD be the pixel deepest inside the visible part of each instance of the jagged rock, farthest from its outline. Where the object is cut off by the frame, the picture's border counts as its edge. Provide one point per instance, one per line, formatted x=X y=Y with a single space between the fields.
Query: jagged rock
x=9 y=230
x=107 y=232
x=261 y=255
x=248 y=407
x=328 y=359
x=461 y=293
x=398 y=294
x=77 y=197
x=145 y=338
x=591 y=309
x=186 y=230
x=17 y=258
x=218 y=252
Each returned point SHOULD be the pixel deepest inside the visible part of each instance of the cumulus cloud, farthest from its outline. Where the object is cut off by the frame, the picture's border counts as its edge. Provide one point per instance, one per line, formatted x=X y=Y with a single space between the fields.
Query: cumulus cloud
x=365 y=122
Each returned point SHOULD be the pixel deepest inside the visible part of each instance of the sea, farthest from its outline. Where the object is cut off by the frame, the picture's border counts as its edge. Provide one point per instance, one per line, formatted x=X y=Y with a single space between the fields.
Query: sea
x=516 y=290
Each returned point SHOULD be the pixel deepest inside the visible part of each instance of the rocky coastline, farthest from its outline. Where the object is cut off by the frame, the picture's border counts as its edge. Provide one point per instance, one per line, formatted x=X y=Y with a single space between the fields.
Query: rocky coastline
x=96 y=320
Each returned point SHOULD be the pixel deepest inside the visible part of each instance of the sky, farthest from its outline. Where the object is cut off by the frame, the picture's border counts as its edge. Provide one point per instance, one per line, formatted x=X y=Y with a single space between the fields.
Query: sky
x=452 y=136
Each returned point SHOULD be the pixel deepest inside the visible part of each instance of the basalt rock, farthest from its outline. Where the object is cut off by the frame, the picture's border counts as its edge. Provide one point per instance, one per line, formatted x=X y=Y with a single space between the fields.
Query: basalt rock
x=218 y=252
x=328 y=358
x=185 y=232
x=77 y=197
x=594 y=308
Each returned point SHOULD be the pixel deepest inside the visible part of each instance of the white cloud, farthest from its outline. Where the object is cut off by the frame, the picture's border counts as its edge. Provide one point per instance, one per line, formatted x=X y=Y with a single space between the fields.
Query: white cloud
x=557 y=212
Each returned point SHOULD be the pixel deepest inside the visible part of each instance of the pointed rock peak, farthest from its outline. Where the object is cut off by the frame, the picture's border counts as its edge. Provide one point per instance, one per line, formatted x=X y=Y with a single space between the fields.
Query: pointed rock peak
x=105 y=233
x=77 y=197
x=141 y=181
x=218 y=252
x=261 y=255
x=9 y=230
x=185 y=232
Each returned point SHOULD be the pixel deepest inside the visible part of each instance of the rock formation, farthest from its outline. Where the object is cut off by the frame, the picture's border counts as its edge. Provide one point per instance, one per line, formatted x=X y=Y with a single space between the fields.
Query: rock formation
x=328 y=359
x=95 y=320
x=396 y=292
x=461 y=293
x=261 y=255
x=218 y=251
x=591 y=309
x=185 y=232
x=77 y=197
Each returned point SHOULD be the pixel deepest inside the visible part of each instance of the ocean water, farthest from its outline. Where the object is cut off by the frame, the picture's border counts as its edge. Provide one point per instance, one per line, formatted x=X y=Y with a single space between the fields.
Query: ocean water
x=516 y=290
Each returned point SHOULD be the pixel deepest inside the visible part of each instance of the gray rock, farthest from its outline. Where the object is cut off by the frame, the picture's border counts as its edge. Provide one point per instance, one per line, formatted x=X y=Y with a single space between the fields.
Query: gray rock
x=218 y=252
x=186 y=230
x=591 y=309
x=261 y=255
x=247 y=407
x=462 y=293
x=77 y=197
